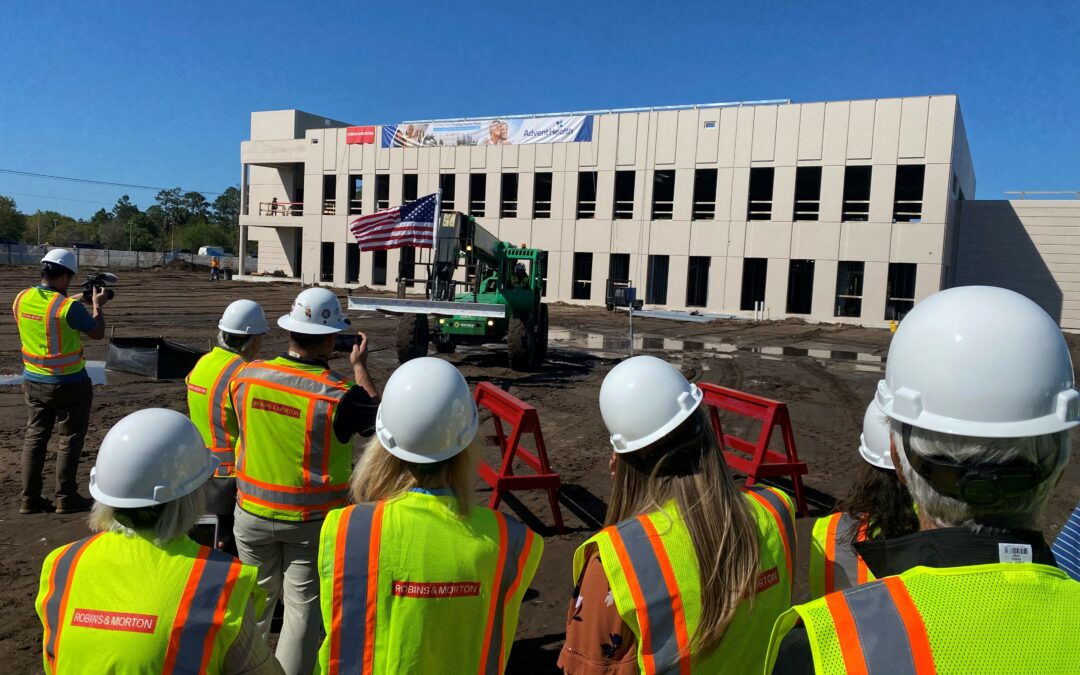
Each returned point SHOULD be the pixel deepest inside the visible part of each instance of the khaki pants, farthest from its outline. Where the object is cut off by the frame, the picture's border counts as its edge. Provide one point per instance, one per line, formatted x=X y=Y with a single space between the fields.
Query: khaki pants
x=65 y=407
x=286 y=554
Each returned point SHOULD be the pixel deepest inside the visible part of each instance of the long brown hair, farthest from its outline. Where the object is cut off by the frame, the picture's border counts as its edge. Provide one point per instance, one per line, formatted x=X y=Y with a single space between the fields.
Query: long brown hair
x=688 y=467
x=882 y=502
x=381 y=476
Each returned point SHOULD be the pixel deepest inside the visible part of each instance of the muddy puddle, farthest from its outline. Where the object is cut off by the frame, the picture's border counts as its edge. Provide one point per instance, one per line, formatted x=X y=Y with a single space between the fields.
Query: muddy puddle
x=607 y=346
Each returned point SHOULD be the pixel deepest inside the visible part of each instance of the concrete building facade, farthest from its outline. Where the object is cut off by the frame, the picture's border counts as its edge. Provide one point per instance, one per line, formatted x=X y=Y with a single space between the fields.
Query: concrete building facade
x=844 y=211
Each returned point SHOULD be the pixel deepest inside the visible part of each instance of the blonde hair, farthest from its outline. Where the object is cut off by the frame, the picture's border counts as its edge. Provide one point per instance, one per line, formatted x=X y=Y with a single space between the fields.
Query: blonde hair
x=381 y=475
x=687 y=467
x=162 y=523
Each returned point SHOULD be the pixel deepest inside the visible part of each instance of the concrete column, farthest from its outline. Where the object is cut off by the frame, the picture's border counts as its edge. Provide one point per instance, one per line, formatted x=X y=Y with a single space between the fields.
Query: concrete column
x=243 y=250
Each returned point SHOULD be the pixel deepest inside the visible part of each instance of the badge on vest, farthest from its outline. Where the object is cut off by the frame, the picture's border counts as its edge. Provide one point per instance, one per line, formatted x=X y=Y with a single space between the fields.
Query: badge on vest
x=123 y=621
x=1014 y=553
x=196 y=388
x=276 y=408
x=418 y=589
x=767 y=580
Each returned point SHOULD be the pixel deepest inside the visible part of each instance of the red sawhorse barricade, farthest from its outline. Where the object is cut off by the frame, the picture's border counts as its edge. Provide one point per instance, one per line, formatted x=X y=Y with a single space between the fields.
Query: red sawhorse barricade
x=521 y=419
x=756 y=460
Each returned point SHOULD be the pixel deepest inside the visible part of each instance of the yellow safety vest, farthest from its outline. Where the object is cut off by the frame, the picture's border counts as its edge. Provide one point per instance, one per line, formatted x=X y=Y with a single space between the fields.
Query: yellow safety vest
x=834 y=564
x=290 y=464
x=210 y=406
x=49 y=345
x=652 y=570
x=1003 y=618
x=113 y=603
x=410 y=586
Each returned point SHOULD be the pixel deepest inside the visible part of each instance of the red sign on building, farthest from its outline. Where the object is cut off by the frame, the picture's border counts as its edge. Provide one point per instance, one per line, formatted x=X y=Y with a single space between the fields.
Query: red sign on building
x=365 y=135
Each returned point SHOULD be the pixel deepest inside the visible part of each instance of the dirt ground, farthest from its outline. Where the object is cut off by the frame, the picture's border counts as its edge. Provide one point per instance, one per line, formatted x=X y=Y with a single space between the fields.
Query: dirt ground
x=825 y=373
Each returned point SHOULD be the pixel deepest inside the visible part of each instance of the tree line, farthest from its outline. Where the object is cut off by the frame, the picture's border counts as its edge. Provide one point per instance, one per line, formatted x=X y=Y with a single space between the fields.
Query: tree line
x=177 y=220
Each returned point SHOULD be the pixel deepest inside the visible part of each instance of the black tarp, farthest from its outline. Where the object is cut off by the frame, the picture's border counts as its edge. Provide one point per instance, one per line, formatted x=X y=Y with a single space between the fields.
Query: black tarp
x=157 y=357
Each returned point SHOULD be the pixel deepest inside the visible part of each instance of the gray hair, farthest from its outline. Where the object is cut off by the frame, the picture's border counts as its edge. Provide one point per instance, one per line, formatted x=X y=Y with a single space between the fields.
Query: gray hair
x=1014 y=512
x=174 y=519
x=235 y=342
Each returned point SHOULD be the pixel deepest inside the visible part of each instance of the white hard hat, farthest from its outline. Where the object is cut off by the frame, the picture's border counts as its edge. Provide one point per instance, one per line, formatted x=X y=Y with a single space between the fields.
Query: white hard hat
x=874 y=443
x=63 y=258
x=315 y=311
x=427 y=413
x=150 y=457
x=980 y=361
x=644 y=399
x=243 y=317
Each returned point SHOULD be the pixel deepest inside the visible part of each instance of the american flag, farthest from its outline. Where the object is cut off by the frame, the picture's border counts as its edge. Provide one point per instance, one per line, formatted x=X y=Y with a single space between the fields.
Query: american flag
x=410 y=224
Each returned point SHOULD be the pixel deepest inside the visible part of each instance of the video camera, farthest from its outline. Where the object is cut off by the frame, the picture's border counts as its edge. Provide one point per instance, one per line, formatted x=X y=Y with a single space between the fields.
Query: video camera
x=98 y=280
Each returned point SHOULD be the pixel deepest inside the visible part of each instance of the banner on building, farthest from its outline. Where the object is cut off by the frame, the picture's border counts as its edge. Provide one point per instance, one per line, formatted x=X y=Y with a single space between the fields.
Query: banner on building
x=493 y=131
x=364 y=135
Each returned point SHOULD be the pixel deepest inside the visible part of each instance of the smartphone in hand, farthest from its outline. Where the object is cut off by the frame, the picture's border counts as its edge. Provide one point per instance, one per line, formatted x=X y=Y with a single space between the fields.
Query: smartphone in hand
x=344 y=342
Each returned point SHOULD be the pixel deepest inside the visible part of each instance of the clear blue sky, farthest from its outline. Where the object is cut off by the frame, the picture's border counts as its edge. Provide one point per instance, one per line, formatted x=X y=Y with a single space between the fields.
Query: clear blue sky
x=159 y=93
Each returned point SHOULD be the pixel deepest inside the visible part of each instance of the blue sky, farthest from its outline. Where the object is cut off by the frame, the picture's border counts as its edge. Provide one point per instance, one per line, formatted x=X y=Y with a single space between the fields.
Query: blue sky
x=160 y=93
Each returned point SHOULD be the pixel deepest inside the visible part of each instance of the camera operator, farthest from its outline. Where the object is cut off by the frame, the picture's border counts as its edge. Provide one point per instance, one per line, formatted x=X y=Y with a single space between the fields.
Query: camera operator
x=55 y=383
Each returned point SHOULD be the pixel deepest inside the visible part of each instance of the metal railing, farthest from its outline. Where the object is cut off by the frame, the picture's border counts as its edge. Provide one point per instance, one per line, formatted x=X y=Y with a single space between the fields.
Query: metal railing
x=704 y=211
x=508 y=209
x=329 y=207
x=586 y=208
x=857 y=210
x=624 y=209
x=662 y=210
x=907 y=211
x=273 y=208
x=542 y=208
x=356 y=207
x=759 y=209
x=477 y=207
x=382 y=204
x=807 y=209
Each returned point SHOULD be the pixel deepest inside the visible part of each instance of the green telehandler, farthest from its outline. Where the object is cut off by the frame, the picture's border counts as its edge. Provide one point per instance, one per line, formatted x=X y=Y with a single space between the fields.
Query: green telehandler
x=498 y=299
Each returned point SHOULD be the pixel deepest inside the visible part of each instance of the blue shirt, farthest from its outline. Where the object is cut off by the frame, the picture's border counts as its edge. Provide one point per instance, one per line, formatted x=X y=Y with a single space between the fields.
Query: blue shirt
x=78 y=317
x=1066 y=547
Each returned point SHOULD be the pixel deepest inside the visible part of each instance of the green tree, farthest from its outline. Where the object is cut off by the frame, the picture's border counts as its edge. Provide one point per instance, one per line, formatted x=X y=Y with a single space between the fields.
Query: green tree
x=225 y=210
x=124 y=210
x=12 y=221
x=196 y=205
x=143 y=233
x=197 y=234
x=100 y=217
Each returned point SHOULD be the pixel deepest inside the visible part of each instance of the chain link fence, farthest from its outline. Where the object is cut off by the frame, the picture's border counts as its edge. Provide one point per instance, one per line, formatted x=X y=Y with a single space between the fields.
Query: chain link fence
x=29 y=254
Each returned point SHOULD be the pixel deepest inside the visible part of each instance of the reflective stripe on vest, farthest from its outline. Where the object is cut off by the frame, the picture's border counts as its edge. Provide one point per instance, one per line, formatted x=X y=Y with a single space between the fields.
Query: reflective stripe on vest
x=880 y=630
x=55 y=602
x=54 y=360
x=657 y=601
x=515 y=540
x=199 y=616
x=778 y=508
x=843 y=566
x=201 y=612
x=356 y=568
x=317 y=494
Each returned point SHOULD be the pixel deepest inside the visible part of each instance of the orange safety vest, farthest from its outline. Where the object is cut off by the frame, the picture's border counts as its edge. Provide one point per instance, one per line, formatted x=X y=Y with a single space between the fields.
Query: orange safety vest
x=289 y=465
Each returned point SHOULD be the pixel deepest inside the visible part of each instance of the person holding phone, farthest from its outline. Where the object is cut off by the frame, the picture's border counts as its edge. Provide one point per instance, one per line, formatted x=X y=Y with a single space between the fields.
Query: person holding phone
x=296 y=421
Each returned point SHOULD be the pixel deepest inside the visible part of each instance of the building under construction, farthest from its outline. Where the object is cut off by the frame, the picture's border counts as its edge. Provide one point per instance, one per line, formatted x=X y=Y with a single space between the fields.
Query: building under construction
x=846 y=211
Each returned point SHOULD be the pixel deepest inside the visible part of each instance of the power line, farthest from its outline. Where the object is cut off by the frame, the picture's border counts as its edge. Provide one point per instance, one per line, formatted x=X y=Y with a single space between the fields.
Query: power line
x=66 y=199
x=29 y=174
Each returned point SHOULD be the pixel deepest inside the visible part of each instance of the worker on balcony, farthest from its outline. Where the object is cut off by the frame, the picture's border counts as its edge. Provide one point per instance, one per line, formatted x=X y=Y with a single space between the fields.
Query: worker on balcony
x=57 y=388
x=140 y=596
x=415 y=579
x=878 y=506
x=297 y=418
x=240 y=334
x=980 y=392
x=690 y=573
